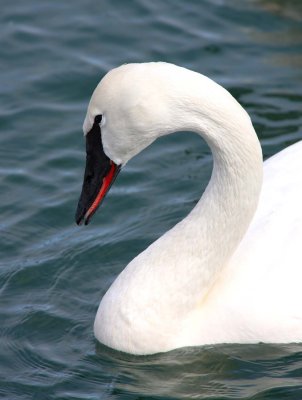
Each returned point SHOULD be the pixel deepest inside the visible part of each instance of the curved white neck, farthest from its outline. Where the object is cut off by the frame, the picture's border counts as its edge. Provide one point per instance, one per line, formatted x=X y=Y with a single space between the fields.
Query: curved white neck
x=223 y=214
x=197 y=248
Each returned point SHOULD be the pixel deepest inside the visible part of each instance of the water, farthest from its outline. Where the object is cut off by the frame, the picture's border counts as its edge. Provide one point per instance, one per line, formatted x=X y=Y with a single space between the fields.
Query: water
x=53 y=273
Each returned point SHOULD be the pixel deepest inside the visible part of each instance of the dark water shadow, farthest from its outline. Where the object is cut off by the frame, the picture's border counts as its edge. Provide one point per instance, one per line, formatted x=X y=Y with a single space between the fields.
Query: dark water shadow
x=220 y=372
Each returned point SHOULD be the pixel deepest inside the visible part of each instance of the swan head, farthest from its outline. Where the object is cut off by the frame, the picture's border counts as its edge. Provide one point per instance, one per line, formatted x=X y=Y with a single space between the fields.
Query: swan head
x=128 y=110
x=136 y=103
x=133 y=104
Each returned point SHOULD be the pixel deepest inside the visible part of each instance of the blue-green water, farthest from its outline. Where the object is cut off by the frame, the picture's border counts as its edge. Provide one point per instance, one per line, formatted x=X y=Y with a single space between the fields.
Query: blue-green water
x=54 y=273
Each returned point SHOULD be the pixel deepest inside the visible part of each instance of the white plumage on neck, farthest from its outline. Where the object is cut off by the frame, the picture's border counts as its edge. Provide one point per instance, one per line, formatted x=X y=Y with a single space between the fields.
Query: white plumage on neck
x=160 y=300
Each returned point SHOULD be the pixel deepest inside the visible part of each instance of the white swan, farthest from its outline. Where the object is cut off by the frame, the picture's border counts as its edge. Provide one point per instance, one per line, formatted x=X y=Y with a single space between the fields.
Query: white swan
x=223 y=274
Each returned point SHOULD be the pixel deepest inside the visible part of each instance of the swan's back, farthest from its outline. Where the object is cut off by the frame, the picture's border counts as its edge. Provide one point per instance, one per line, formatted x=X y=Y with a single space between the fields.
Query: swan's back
x=261 y=287
x=276 y=229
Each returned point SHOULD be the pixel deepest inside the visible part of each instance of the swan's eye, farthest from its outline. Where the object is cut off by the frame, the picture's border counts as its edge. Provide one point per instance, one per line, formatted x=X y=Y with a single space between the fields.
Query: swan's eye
x=98 y=119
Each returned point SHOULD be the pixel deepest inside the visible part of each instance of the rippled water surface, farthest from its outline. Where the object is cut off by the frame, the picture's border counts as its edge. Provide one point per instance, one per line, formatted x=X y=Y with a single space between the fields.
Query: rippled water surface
x=54 y=273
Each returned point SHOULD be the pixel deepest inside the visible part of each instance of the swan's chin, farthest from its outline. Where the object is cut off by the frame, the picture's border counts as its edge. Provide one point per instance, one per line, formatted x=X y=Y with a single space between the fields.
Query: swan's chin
x=100 y=173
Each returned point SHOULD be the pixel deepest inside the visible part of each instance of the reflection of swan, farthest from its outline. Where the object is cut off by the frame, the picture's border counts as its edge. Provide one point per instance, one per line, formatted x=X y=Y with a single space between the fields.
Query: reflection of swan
x=209 y=279
x=202 y=373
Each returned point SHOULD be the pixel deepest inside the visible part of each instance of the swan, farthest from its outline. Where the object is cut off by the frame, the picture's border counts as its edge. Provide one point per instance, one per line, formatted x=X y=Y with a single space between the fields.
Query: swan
x=229 y=272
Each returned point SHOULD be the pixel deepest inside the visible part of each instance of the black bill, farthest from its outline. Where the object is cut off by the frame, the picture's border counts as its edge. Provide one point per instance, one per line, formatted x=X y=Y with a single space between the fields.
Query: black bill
x=100 y=173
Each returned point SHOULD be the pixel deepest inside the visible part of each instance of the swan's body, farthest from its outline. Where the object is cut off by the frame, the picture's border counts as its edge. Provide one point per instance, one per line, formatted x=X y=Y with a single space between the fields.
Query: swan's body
x=224 y=274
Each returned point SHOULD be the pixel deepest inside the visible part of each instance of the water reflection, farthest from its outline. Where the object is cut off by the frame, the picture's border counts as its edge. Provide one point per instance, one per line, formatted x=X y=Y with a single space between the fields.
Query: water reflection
x=283 y=40
x=234 y=371
x=285 y=8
